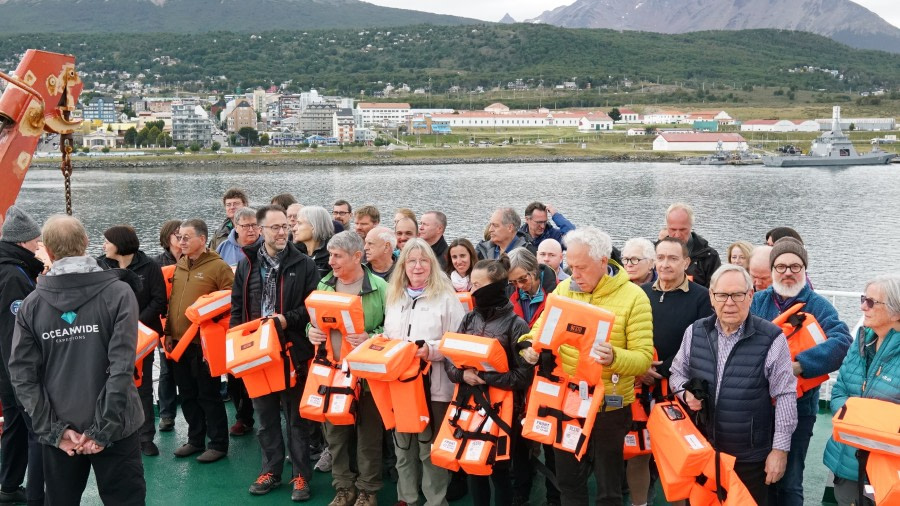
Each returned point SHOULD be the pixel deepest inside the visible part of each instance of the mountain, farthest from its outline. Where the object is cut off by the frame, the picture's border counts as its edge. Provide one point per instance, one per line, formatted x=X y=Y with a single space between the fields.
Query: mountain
x=197 y=16
x=841 y=20
x=507 y=20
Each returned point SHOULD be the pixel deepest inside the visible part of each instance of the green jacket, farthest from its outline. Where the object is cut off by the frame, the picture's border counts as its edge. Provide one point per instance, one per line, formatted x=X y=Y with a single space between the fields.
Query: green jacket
x=632 y=332
x=373 y=294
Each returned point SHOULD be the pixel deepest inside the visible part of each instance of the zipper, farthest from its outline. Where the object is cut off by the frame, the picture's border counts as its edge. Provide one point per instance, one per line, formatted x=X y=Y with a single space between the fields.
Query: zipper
x=409 y=318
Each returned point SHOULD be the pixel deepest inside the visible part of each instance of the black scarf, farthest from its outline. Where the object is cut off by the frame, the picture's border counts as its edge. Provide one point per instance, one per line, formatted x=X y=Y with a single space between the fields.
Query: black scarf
x=490 y=296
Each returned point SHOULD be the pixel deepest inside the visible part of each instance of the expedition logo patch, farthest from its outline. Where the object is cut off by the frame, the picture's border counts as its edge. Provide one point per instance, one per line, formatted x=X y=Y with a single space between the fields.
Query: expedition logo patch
x=68 y=316
x=14 y=307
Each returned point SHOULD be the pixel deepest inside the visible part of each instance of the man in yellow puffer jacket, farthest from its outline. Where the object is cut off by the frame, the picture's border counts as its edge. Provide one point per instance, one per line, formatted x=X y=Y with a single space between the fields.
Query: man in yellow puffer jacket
x=601 y=282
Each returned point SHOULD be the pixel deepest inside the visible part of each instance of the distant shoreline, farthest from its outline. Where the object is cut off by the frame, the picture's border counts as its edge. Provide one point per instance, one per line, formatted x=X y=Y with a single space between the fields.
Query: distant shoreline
x=243 y=160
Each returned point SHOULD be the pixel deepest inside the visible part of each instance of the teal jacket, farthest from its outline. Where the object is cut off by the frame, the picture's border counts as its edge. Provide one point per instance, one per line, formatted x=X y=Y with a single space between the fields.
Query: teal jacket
x=881 y=373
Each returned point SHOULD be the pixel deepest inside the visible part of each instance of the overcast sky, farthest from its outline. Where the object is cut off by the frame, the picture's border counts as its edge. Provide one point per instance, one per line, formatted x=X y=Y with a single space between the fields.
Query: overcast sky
x=493 y=10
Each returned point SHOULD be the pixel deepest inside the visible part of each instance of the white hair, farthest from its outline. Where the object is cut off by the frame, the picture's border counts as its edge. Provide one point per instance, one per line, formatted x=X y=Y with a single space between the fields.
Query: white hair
x=386 y=235
x=681 y=206
x=647 y=250
x=730 y=268
x=598 y=243
x=890 y=284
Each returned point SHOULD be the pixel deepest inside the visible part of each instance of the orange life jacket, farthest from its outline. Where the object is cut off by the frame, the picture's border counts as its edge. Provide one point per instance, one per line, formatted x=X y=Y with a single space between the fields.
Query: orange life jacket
x=637 y=441
x=803 y=332
x=561 y=409
x=168 y=273
x=869 y=424
x=578 y=324
x=206 y=310
x=475 y=433
x=336 y=311
x=253 y=352
x=884 y=476
x=331 y=391
x=477 y=352
x=673 y=434
x=146 y=343
x=465 y=298
x=212 y=340
x=396 y=380
x=704 y=491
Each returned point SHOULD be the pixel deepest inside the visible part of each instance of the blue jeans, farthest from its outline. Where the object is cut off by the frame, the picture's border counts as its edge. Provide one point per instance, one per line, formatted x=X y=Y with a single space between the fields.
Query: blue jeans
x=788 y=491
x=166 y=388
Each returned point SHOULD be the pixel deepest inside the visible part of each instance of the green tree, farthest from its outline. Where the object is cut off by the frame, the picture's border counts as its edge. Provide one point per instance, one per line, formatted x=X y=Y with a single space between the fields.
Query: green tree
x=105 y=149
x=109 y=128
x=194 y=147
x=85 y=149
x=215 y=146
x=131 y=136
x=614 y=114
x=180 y=148
x=153 y=135
x=264 y=140
x=249 y=135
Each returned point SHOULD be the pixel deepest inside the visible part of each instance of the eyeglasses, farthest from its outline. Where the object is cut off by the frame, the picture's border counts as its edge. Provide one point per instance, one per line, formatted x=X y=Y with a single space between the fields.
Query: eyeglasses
x=869 y=302
x=277 y=228
x=795 y=268
x=736 y=297
x=632 y=260
x=340 y=213
x=185 y=238
x=521 y=281
x=248 y=226
x=536 y=222
x=229 y=205
x=417 y=261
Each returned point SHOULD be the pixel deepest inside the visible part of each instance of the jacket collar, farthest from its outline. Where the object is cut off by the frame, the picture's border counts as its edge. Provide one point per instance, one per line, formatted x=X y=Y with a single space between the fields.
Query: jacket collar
x=331 y=280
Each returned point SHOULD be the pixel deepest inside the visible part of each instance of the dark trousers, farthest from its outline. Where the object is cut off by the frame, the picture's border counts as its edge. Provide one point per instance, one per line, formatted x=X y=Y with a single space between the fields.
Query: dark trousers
x=501 y=478
x=118 y=469
x=20 y=452
x=145 y=391
x=168 y=400
x=788 y=491
x=753 y=474
x=603 y=457
x=271 y=442
x=243 y=406
x=201 y=402
x=523 y=471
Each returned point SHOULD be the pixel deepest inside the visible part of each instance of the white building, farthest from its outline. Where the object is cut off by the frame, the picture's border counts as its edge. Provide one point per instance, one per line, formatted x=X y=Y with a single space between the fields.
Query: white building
x=190 y=123
x=595 y=121
x=722 y=117
x=381 y=114
x=866 y=124
x=699 y=142
x=779 y=125
x=664 y=117
x=629 y=116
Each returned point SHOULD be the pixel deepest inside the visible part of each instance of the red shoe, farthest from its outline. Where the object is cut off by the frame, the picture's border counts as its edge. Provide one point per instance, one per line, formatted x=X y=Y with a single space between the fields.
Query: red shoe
x=240 y=428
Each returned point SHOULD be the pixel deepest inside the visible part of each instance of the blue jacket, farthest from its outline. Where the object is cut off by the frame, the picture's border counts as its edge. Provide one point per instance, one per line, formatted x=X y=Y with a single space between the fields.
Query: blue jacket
x=840 y=458
x=231 y=251
x=551 y=232
x=825 y=357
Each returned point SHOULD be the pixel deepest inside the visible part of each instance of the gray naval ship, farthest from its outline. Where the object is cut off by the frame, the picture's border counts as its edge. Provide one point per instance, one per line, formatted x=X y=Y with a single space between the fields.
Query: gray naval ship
x=831 y=149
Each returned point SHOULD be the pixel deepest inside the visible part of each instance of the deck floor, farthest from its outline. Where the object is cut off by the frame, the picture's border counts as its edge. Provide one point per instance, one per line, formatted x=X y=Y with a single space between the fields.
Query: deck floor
x=172 y=481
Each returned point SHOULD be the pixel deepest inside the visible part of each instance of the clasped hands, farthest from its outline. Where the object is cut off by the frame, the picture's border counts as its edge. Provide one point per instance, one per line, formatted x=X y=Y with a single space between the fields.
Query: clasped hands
x=74 y=443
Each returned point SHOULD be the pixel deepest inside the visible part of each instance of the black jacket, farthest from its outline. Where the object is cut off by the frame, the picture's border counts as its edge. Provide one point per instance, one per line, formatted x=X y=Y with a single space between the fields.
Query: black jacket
x=151 y=294
x=500 y=323
x=73 y=357
x=440 y=251
x=19 y=269
x=319 y=256
x=704 y=260
x=165 y=258
x=297 y=278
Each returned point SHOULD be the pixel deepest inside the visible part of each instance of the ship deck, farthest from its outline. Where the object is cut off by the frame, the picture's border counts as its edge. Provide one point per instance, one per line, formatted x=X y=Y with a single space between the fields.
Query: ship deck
x=173 y=481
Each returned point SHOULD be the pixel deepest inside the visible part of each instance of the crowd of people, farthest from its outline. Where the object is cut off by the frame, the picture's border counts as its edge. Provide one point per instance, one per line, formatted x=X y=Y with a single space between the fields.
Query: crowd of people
x=67 y=342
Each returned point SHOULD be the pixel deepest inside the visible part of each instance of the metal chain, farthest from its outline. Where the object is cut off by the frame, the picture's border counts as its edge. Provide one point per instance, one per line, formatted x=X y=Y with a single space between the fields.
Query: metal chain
x=66 y=146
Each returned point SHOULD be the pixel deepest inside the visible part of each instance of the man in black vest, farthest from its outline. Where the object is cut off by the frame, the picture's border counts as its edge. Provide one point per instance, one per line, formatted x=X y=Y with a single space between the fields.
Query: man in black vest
x=273 y=281
x=740 y=419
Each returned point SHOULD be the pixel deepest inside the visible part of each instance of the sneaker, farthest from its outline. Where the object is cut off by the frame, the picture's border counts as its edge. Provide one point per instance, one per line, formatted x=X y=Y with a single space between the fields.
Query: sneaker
x=325 y=462
x=166 y=424
x=265 y=483
x=315 y=452
x=344 y=497
x=210 y=456
x=240 y=428
x=187 y=449
x=366 y=498
x=301 y=491
x=17 y=496
x=148 y=448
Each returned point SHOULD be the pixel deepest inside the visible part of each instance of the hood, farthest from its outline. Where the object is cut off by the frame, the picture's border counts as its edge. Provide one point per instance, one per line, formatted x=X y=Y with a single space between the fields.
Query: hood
x=68 y=292
x=138 y=261
x=699 y=245
x=16 y=255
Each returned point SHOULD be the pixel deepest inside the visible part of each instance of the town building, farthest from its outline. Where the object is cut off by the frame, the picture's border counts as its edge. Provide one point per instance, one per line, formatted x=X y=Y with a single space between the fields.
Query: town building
x=699 y=142
x=240 y=117
x=595 y=122
x=779 y=125
x=342 y=125
x=381 y=114
x=190 y=123
x=317 y=119
x=864 y=124
x=101 y=108
x=629 y=116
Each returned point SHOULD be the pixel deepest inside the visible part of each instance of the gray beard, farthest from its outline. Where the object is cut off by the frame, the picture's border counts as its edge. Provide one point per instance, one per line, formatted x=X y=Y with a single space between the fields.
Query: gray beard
x=789 y=292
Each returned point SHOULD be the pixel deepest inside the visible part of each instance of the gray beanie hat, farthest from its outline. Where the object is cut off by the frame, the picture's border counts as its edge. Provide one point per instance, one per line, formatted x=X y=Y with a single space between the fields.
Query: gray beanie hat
x=19 y=227
x=787 y=245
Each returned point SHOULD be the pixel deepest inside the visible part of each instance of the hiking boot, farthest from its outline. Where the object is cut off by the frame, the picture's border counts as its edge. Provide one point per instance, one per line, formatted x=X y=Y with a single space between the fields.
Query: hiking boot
x=366 y=498
x=344 y=497
x=265 y=484
x=301 y=491
x=166 y=424
x=148 y=448
x=240 y=428
x=325 y=462
x=17 y=496
x=187 y=449
x=210 y=456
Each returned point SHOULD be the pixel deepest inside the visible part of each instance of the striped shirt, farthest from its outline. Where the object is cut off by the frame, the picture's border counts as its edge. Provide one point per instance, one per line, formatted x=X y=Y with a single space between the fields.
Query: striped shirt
x=779 y=373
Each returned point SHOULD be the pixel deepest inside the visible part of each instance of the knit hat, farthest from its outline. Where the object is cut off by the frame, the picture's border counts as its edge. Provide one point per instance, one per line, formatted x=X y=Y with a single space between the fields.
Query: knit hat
x=19 y=227
x=787 y=245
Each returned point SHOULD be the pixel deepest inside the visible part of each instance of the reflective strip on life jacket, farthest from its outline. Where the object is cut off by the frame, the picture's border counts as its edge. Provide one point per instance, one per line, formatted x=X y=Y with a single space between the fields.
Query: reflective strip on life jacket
x=253 y=352
x=884 y=476
x=674 y=434
x=869 y=424
x=146 y=342
x=336 y=311
x=209 y=306
x=381 y=358
x=475 y=433
x=478 y=352
x=803 y=332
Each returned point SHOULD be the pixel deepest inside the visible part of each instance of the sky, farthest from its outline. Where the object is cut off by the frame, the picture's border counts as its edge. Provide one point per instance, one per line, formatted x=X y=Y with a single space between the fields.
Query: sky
x=493 y=10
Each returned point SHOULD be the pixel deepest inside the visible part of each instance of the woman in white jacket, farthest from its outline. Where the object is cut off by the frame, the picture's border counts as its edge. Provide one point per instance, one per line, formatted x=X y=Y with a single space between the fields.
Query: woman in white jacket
x=422 y=305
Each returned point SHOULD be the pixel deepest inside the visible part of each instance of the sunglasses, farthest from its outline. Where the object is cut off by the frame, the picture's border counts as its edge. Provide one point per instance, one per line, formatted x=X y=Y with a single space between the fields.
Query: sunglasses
x=869 y=302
